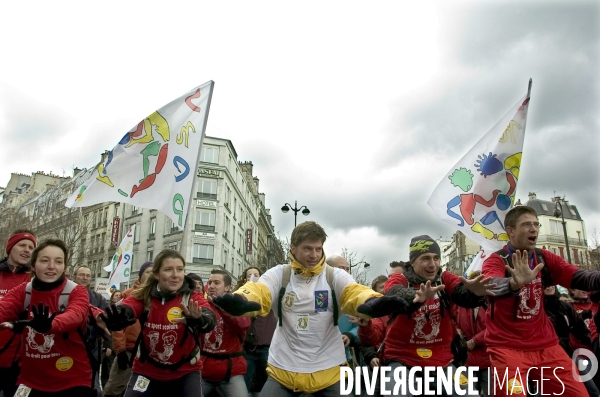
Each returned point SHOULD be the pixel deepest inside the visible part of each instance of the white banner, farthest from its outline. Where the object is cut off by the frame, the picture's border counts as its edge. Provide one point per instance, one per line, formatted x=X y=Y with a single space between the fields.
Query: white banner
x=120 y=265
x=154 y=165
x=480 y=189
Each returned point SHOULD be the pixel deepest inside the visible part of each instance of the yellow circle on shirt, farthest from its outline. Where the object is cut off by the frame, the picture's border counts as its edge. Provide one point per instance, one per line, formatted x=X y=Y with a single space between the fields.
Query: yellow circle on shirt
x=64 y=363
x=424 y=353
x=515 y=387
x=462 y=380
x=173 y=313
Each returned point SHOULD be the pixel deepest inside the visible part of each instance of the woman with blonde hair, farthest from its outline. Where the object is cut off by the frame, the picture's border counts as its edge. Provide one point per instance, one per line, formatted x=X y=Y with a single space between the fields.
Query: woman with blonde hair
x=172 y=314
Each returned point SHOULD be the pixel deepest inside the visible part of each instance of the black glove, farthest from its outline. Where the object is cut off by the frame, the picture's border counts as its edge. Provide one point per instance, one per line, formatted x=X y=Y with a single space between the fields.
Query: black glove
x=382 y=306
x=123 y=360
x=41 y=321
x=235 y=304
x=117 y=318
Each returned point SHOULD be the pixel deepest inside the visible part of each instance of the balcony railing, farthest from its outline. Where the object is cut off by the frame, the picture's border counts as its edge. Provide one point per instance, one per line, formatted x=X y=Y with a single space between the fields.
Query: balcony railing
x=203 y=261
x=204 y=228
x=201 y=195
x=559 y=239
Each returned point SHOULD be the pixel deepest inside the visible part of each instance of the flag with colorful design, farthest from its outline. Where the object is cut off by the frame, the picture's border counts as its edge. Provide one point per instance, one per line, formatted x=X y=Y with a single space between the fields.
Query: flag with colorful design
x=480 y=189
x=154 y=164
x=120 y=265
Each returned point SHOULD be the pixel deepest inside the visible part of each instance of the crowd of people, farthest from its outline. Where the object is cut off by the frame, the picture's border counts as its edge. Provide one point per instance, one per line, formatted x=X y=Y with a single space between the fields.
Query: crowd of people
x=290 y=330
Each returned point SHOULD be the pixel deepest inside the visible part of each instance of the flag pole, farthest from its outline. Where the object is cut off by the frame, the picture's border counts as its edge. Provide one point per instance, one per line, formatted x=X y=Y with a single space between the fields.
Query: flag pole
x=183 y=248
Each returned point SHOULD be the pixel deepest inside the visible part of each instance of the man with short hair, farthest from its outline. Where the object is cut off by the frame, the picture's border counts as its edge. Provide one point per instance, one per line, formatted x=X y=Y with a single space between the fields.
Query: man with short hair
x=396 y=267
x=198 y=280
x=307 y=349
x=519 y=335
x=83 y=276
x=425 y=337
x=14 y=270
x=124 y=343
x=222 y=353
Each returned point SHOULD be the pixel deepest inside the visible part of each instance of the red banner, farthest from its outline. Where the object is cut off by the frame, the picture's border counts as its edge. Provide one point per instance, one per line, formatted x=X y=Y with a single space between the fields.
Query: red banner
x=114 y=236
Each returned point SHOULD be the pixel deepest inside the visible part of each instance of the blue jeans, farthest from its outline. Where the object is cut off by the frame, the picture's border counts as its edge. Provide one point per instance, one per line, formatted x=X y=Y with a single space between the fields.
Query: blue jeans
x=256 y=373
x=235 y=387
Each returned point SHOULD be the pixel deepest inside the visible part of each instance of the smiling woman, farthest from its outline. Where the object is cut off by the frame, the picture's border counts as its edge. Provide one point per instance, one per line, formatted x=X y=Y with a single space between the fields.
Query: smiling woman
x=174 y=316
x=50 y=365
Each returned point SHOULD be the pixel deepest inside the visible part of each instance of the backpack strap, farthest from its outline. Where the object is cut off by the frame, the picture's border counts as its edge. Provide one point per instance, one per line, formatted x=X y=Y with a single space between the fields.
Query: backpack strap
x=27 y=301
x=63 y=299
x=329 y=270
x=285 y=280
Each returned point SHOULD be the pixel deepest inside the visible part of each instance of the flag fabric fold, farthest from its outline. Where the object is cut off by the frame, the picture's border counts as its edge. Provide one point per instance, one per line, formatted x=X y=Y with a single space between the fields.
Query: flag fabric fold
x=480 y=189
x=120 y=265
x=154 y=164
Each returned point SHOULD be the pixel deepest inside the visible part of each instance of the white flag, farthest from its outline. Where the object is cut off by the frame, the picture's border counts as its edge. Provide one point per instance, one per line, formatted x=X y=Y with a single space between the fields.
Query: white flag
x=154 y=164
x=480 y=189
x=120 y=265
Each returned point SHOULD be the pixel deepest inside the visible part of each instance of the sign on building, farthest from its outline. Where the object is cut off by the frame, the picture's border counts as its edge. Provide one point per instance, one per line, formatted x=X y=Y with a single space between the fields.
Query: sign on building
x=114 y=235
x=248 y=241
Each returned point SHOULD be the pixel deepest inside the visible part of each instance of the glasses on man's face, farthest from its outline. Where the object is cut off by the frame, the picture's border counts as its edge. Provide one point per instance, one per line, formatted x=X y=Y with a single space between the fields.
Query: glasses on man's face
x=528 y=225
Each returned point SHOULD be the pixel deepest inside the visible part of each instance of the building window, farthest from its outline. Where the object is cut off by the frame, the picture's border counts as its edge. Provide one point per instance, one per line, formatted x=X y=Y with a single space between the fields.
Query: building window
x=555 y=227
x=203 y=253
x=207 y=189
x=209 y=154
x=227 y=196
x=136 y=237
x=152 y=227
x=150 y=255
x=205 y=221
x=226 y=224
x=134 y=210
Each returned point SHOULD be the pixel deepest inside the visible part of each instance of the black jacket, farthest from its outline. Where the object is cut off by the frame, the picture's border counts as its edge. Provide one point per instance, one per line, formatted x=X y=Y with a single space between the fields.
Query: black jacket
x=566 y=321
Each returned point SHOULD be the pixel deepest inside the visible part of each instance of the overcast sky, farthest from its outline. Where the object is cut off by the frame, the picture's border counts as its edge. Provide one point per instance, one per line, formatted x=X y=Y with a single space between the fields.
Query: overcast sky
x=355 y=109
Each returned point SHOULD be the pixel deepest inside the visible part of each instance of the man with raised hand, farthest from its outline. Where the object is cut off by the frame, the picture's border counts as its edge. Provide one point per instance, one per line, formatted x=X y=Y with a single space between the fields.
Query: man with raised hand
x=307 y=349
x=519 y=335
x=14 y=270
x=424 y=337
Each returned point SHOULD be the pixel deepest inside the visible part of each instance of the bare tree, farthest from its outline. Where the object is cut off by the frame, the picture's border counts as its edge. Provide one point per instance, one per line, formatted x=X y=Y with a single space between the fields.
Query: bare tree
x=594 y=251
x=357 y=266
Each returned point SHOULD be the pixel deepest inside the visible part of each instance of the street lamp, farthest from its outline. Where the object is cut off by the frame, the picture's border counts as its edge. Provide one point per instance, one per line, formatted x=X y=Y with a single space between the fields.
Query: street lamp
x=288 y=207
x=559 y=213
x=366 y=266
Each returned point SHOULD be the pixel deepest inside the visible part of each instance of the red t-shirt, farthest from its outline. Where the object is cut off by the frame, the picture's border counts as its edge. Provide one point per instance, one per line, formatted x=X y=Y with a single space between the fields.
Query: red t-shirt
x=425 y=337
x=225 y=338
x=532 y=330
x=162 y=338
x=56 y=360
x=7 y=282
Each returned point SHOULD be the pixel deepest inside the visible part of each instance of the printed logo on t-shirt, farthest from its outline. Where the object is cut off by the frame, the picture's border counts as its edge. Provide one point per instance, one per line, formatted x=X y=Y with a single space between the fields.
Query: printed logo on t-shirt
x=288 y=299
x=302 y=323
x=530 y=298
x=168 y=338
x=321 y=301
x=35 y=338
x=427 y=324
x=214 y=339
